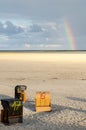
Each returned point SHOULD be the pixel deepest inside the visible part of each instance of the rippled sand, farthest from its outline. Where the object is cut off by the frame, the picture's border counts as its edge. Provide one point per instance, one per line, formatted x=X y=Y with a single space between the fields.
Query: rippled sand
x=63 y=74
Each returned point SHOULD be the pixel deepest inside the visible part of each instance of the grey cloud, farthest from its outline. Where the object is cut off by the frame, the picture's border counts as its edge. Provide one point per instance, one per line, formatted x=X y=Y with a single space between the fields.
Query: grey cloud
x=37 y=33
x=1 y=25
x=8 y=28
x=1 y=28
x=40 y=11
x=46 y=9
x=51 y=10
x=80 y=40
x=35 y=28
x=79 y=27
x=45 y=30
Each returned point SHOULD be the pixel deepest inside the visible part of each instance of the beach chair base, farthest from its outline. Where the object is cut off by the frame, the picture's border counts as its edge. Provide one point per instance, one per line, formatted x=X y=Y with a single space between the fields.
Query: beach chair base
x=43 y=109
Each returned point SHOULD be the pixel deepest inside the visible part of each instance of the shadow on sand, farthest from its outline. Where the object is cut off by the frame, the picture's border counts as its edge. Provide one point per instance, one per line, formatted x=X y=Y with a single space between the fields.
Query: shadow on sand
x=30 y=105
x=60 y=108
x=55 y=108
x=2 y=96
x=77 y=99
x=47 y=121
x=43 y=120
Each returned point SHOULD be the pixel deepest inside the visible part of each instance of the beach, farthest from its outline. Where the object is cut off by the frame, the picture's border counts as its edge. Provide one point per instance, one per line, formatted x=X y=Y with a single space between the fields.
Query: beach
x=62 y=74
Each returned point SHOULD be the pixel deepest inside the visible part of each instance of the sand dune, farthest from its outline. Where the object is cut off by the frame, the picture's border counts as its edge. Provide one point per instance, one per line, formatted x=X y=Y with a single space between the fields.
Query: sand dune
x=64 y=75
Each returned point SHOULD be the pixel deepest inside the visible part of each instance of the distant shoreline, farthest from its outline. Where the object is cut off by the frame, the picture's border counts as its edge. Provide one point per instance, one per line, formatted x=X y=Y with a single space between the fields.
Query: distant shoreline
x=42 y=51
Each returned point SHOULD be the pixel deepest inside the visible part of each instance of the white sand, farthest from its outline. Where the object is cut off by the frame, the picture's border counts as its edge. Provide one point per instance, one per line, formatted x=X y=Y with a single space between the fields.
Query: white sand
x=63 y=74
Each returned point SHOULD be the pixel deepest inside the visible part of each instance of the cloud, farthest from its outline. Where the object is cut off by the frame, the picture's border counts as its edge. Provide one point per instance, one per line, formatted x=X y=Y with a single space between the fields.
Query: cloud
x=8 y=28
x=80 y=40
x=50 y=46
x=35 y=28
x=32 y=36
x=48 y=10
x=38 y=34
x=55 y=46
x=42 y=46
x=4 y=38
x=27 y=45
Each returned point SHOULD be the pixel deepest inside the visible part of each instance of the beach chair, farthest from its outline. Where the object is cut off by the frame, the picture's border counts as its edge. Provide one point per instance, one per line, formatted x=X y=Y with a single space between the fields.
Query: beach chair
x=43 y=101
x=12 y=111
x=20 y=92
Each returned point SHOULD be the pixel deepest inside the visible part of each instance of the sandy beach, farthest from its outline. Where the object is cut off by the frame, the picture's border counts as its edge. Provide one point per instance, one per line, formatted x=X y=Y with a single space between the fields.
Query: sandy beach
x=62 y=74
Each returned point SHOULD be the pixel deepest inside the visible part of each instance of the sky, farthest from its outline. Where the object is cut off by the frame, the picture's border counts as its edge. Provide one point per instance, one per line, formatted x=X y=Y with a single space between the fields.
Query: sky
x=42 y=24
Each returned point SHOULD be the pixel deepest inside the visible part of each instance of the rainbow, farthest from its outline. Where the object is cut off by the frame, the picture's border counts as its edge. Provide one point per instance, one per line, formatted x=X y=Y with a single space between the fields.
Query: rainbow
x=70 y=36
